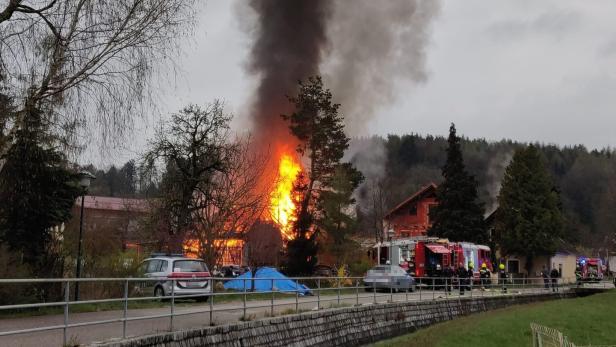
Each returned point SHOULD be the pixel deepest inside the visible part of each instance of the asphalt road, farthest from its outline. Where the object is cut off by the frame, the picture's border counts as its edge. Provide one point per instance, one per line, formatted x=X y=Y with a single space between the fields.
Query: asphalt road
x=194 y=316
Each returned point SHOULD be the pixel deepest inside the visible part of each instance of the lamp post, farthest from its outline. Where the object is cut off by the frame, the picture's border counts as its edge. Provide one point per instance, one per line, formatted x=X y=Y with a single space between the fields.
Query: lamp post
x=84 y=182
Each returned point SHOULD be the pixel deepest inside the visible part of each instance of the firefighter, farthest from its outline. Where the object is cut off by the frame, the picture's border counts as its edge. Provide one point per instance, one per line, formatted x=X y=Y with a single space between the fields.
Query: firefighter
x=470 y=275
x=546 y=280
x=461 y=273
x=448 y=273
x=484 y=275
x=502 y=277
x=578 y=275
x=554 y=275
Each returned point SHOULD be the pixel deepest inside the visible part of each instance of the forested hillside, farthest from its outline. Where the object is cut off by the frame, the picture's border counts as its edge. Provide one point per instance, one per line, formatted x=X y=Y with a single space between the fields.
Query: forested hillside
x=397 y=166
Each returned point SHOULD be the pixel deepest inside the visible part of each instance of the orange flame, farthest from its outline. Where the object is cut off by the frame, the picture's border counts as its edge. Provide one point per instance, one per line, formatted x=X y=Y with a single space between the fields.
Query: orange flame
x=282 y=206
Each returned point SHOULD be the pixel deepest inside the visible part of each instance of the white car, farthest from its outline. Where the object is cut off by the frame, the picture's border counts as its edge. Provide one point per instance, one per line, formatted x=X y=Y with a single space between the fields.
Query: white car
x=190 y=276
x=391 y=277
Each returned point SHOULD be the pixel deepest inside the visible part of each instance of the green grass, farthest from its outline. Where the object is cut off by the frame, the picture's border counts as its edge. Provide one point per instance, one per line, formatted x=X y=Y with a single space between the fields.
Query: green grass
x=585 y=321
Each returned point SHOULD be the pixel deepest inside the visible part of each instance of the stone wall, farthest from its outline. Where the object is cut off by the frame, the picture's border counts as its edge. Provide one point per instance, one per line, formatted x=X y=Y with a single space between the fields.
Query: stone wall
x=334 y=327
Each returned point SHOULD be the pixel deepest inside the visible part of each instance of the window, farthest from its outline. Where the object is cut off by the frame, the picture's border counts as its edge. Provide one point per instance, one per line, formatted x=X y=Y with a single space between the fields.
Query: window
x=413 y=210
x=153 y=266
x=189 y=266
x=513 y=266
x=163 y=265
x=431 y=210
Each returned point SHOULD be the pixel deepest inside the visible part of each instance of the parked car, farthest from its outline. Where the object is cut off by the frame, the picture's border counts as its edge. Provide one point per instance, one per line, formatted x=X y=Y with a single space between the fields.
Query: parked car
x=189 y=275
x=391 y=277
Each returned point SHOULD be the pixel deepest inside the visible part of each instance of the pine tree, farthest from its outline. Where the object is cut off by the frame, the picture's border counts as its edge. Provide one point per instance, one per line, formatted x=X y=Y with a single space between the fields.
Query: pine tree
x=319 y=129
x=459 y=213
x=37 y=191
x=336 y=219
x=529 y=219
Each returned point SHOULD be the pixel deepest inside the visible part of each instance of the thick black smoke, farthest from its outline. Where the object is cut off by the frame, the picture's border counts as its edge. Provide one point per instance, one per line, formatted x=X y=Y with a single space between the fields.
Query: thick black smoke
x=289 y=38
x=363 y=48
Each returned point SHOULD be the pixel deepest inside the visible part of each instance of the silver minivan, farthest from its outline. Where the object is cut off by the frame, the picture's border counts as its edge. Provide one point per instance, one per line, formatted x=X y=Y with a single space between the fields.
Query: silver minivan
x=190 y=276
x=391 y=277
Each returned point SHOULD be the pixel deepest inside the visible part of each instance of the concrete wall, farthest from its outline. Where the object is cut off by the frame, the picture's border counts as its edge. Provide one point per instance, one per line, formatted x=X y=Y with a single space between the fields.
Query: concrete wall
x=335 y=327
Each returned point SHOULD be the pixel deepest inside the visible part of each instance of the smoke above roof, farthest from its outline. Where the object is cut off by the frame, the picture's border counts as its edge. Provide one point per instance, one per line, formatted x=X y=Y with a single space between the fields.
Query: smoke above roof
x=364 y=49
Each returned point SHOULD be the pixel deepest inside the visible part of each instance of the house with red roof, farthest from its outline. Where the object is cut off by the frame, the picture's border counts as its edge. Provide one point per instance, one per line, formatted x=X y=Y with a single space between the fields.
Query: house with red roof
x=411 y=218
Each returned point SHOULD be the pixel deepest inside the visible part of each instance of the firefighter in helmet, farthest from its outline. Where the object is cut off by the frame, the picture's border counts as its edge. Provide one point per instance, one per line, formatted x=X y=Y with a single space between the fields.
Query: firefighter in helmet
x=484 y=274
x=502 y=277
x=470 y=274
x=462 y=273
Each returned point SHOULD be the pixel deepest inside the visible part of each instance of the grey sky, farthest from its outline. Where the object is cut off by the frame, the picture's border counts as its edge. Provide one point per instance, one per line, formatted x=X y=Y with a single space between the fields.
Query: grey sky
x=525 y=70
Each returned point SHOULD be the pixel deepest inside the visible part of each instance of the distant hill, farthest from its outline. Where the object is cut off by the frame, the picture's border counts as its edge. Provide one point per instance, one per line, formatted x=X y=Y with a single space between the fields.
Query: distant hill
x=397 y=166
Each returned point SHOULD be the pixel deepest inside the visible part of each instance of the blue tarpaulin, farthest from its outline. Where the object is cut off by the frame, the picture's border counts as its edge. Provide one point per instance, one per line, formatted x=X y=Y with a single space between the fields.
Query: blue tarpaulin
x=281 y=282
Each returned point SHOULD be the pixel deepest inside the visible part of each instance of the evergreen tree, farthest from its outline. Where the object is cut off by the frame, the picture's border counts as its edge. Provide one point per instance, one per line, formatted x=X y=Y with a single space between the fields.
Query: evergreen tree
x=459 y=214
x=529 y=219
x=37 y=193
x=319 y=128
x=336 y=218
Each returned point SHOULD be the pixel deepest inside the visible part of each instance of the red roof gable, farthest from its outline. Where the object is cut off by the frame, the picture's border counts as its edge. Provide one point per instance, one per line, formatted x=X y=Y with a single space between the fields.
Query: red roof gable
x=418 y=195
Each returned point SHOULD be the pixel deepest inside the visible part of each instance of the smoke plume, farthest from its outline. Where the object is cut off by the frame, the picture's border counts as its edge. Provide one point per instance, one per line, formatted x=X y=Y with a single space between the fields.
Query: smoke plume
x=288 y=42
x=375 y=45
x=364 y=49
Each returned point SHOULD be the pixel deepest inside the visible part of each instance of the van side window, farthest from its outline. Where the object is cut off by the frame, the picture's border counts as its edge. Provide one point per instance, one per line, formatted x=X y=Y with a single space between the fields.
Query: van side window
x=163 y=266
x=153 y=266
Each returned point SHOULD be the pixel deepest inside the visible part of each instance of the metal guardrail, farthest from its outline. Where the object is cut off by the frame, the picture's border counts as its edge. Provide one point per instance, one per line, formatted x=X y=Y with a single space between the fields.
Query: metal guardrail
x=324 y=289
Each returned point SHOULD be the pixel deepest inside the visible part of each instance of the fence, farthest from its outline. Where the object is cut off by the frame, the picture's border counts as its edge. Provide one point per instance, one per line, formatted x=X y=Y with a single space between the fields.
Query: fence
x=549 y=337
x=337 y=291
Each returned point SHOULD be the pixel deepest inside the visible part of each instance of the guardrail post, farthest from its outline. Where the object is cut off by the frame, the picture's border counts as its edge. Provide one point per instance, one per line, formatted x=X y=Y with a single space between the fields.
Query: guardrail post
x=172 y=305
x=67 y=297
x=433 y=289
x=391 y=293
x=272 y=302
x=212 y=288
x=406 y=292
x=374 y=290
x=244 y=298
x=318 y=294
x=470 y=284
x=338 y=285
x=420 y=285
x=356 y=292
x=125 y=309
x=297 y=296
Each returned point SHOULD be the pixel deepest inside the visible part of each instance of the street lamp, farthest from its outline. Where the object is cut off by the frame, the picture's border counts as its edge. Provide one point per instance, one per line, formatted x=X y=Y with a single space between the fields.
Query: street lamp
x=84 y=182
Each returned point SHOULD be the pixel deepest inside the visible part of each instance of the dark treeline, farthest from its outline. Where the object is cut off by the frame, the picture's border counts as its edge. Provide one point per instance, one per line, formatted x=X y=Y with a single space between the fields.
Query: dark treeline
x=399 y=165
x=123 y=182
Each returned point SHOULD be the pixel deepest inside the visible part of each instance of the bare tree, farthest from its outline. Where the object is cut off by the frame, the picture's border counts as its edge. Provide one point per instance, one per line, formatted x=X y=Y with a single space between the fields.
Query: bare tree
x=191 y=148
x=263 y=247
x=210 y=185
x=81 y=61
x=232 y=203
x=374 y=206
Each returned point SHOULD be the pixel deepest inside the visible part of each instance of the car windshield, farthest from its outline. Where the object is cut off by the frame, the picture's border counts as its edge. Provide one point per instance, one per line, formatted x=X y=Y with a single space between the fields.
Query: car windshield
x=189 y=266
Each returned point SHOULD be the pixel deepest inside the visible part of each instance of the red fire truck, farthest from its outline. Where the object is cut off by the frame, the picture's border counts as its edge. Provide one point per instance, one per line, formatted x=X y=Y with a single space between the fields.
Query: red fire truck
x=429 y=256
x=589 y=269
